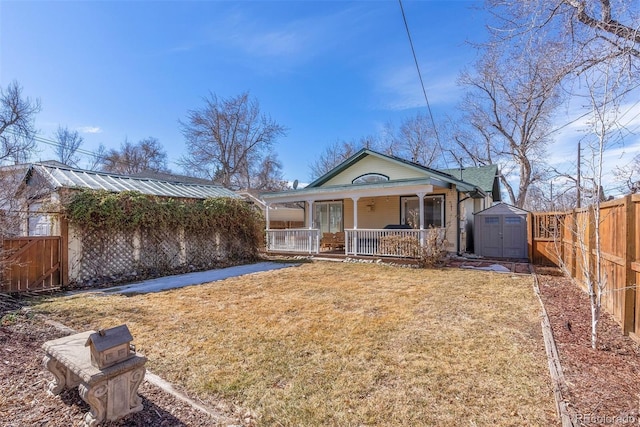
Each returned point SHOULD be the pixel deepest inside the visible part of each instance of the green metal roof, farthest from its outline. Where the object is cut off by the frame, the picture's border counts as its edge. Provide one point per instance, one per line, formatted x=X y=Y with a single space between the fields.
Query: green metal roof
x=66 y=177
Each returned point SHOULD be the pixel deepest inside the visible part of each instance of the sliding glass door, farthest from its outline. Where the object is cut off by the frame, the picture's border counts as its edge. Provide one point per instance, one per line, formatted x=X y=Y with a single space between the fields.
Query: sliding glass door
x=328 y=217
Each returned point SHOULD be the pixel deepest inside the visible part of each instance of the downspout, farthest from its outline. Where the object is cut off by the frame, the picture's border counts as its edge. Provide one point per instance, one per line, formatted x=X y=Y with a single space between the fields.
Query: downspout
x=459 y=235
x=459 y=232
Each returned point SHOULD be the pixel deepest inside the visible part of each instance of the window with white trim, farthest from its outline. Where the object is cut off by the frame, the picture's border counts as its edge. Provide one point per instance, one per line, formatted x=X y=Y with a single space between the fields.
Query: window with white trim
x=370 y=178
x=433 y=211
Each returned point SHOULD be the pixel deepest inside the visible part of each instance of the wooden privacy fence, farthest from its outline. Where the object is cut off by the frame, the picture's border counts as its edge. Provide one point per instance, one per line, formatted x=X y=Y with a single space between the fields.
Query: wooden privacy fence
x=30 y=263
x=568 y=239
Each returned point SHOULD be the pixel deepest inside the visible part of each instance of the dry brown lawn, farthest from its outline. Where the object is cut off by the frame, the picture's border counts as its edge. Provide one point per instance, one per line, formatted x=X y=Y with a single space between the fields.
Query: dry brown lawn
x=343 y=344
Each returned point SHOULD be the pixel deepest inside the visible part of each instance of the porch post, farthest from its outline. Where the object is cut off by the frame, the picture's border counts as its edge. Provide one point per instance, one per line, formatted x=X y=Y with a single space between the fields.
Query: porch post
x=310 y=222
x=354 y=238
x=266 y=215
x=310 y=214
x=355 y=212
x=421 y=205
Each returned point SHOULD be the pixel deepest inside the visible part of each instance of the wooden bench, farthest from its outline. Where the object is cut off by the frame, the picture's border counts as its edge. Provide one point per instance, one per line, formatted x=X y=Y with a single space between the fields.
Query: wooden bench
x=111 y=392
x=332 y=241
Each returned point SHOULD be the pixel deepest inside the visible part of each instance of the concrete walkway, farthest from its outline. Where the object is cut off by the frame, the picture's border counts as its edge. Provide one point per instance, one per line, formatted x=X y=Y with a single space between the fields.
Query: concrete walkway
x=197 y=278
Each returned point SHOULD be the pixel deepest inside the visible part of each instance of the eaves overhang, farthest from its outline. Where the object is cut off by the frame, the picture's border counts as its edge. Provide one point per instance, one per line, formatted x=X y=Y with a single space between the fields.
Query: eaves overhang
x=389 y=188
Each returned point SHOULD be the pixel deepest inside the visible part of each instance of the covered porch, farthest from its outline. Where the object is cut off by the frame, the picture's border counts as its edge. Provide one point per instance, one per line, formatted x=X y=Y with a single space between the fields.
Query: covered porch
x=390 y=219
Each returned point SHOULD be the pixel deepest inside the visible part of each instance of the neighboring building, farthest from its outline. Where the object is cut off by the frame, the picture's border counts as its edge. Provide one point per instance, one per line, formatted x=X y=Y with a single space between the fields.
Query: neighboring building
x=371 y=195
x=88 y=258
x=45 y=182
x=280 y=217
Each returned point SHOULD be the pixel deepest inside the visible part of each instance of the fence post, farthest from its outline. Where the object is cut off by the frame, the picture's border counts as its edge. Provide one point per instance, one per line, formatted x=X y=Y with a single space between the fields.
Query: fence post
x=573 y=268
x=530 y=237
x=630 y=288
x=64 y=251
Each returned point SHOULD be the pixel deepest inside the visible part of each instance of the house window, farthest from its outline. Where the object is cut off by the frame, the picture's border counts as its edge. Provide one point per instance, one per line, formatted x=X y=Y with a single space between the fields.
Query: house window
x=433 y=211
x=328 y=217
x=370 y=178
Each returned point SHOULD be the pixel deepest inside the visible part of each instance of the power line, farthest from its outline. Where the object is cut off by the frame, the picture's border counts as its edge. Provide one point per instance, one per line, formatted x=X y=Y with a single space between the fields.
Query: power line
x=53 y=143
x=424 y=91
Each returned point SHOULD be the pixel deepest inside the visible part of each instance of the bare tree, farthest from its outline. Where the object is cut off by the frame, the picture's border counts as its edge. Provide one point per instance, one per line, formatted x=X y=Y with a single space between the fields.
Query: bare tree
x=97 y=158
x=508 y=108
x=68 y=144
x=552 y=195
x=17 y=129
x=629 y=175
x=228 y=139
x=332 y=156
x=268 y=176
x=603 y=124
x=416 y=141
x=591 y=31
x=146 y=155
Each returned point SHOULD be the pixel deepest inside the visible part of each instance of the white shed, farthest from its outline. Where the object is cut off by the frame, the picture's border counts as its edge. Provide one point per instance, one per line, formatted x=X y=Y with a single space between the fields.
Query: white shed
x=501 y=232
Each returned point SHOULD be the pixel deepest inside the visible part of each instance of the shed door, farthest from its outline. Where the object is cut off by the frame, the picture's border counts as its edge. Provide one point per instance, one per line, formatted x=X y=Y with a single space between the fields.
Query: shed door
x=514 y=231
x=491 y=236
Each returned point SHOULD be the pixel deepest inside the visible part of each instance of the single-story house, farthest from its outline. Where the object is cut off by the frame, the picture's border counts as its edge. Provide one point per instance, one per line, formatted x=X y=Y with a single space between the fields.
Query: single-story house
x=372 y=195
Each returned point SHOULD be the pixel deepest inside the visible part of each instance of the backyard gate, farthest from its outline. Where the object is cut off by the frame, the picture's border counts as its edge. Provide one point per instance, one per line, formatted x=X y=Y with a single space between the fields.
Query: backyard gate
x=30 y=263
x=501 y=232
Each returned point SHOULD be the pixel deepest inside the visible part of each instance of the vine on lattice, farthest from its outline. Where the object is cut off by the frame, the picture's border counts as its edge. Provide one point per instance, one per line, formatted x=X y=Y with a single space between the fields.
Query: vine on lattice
x=213 y=231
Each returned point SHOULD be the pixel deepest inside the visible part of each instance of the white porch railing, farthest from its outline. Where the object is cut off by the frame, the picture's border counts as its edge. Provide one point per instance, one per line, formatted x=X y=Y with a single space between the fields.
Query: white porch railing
x=373 y=242
x=302 y=240
x=397 y=243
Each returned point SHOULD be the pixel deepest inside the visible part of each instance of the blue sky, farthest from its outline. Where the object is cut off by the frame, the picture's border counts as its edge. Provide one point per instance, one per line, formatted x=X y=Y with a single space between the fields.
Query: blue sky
x=327 y=70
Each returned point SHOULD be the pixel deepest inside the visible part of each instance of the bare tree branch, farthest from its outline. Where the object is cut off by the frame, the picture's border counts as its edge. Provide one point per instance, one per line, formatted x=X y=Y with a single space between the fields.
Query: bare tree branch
x=230 y=142
x=146 y=155
x=68 y=144
x=17 y=130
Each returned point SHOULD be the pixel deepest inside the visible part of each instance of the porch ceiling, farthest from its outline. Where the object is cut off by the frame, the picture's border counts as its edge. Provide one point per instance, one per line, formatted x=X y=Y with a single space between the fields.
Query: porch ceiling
x=390 y=188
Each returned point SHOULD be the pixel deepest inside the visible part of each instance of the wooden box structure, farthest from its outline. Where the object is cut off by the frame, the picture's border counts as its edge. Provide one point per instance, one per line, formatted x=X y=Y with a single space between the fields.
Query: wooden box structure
x=110 y=346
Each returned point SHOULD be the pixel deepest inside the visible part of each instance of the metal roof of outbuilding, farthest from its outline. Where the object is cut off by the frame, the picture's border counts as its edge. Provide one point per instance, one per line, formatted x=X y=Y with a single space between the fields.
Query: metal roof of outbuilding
x=65 y=177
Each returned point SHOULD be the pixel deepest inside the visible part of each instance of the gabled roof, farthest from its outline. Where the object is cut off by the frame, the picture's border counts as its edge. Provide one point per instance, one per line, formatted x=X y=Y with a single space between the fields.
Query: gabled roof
x=65 y=177
x=361 y=155
x=502 y=209
x=109 y=338
x=482 y=176
x=448 y=178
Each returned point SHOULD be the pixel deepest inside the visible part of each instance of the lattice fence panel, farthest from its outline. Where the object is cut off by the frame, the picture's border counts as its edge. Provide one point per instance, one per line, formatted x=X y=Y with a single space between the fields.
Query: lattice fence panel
x=106 y=254
x=204 y=250
x=160 y=250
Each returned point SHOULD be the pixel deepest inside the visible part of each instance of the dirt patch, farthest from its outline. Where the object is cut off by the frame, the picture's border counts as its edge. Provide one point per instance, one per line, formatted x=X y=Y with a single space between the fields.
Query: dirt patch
x=603 y=387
